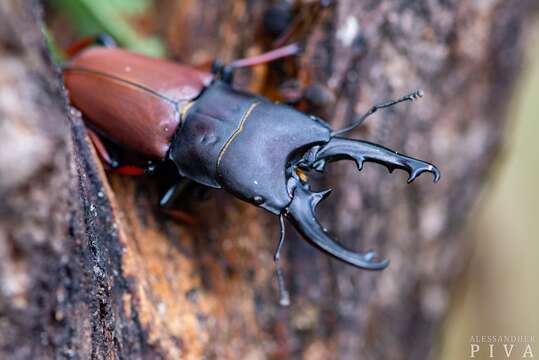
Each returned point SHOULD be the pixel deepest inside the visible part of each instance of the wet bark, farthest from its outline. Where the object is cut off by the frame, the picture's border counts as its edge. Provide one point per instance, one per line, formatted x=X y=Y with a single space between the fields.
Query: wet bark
x=90 y=268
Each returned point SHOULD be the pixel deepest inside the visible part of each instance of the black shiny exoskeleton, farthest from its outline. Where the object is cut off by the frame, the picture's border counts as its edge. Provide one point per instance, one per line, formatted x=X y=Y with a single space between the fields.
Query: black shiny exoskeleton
x=254 y=148
x=225 y=138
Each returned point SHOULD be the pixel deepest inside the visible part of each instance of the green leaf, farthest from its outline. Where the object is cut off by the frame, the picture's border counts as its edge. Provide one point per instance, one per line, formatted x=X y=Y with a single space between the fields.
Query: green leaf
x=91 y=17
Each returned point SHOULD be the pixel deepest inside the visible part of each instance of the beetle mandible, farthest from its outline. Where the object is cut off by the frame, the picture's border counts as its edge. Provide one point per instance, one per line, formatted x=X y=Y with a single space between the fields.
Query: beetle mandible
x=222 y=137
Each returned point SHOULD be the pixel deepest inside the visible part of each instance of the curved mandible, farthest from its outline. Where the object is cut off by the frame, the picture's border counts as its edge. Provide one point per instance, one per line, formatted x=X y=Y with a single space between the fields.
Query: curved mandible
x=301 y=212
x=362 y=151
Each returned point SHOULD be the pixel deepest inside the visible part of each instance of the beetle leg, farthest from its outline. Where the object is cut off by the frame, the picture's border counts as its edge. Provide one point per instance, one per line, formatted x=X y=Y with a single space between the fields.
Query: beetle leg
x=129 y=170
x=306 y=18
x=173 y=193
x=101 y=149
x=272 y=55
x=170 y=197
x=362 y=151
x=101 y=39
x=106 y=40
x=301 y=212
x=227 y=71
x=284 y=297
x=181 y=216
x=110 y=163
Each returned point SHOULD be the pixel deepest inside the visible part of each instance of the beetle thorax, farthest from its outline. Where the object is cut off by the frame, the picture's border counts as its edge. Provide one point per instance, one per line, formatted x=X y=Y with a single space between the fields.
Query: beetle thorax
x=243 y=143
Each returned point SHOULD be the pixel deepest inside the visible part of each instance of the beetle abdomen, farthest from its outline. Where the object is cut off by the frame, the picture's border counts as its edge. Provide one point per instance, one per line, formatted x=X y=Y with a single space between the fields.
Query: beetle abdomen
x=134 y=99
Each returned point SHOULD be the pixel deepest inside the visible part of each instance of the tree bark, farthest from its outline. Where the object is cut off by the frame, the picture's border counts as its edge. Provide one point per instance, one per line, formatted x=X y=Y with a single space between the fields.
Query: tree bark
x=90 y=268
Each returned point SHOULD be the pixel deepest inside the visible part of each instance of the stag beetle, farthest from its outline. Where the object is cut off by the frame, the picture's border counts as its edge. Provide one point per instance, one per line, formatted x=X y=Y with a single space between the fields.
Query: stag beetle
x=225 y=138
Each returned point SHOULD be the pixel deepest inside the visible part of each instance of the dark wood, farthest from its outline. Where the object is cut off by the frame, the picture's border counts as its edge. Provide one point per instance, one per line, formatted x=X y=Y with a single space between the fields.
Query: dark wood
x=135 y=99
x=91 y=269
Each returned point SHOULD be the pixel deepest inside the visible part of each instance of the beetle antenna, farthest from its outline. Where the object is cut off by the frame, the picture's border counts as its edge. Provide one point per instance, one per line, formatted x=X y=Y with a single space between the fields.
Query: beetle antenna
x=284 y=297
x=410 y=97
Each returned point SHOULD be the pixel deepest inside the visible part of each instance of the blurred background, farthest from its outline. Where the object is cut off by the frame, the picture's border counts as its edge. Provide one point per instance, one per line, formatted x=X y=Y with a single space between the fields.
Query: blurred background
x=498 y=293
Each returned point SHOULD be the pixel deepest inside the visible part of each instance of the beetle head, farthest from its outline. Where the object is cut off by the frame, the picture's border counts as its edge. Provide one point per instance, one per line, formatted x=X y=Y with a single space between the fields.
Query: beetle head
x=263 y=163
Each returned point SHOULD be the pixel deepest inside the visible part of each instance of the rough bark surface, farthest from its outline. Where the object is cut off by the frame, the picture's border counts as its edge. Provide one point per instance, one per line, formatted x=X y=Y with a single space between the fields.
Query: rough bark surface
x=89 y=268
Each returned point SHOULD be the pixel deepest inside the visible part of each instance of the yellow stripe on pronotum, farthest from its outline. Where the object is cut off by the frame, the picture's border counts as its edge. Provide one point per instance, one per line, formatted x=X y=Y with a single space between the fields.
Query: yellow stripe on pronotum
x=185 y=108
x=235 y=133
